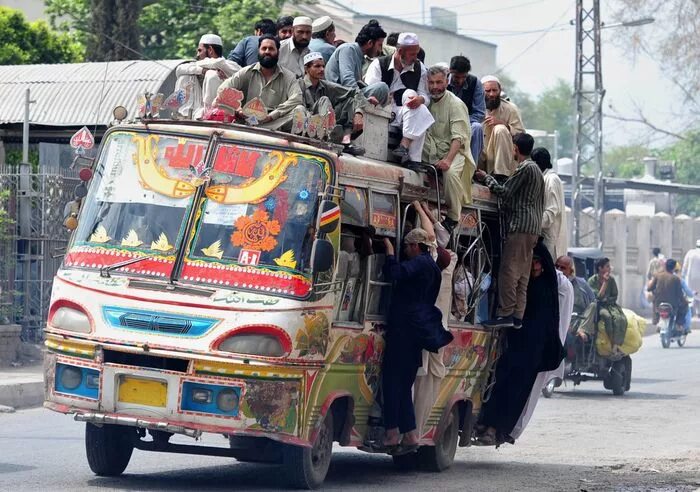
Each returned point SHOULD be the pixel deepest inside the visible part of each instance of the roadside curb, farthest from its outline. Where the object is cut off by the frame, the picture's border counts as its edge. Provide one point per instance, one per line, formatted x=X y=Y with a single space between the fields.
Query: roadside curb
x=22 y=395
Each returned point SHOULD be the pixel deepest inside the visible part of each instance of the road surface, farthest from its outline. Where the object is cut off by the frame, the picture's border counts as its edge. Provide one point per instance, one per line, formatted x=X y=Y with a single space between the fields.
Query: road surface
x=582 y=439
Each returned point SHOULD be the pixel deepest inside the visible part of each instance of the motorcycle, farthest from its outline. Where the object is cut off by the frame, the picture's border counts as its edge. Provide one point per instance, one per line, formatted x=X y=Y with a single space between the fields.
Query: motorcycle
x=669 y=330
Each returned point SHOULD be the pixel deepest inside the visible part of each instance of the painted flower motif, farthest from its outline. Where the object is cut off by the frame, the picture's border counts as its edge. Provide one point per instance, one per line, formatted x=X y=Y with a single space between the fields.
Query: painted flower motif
x=256 y=232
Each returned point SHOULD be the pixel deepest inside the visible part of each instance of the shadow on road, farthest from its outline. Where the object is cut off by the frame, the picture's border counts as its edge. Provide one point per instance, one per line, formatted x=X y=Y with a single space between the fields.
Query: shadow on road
x=353 y=471
x=603 y=394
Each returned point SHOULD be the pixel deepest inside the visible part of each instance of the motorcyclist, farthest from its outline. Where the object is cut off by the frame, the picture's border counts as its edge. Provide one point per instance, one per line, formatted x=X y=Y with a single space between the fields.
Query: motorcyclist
x=690 y=295
x=667 y=288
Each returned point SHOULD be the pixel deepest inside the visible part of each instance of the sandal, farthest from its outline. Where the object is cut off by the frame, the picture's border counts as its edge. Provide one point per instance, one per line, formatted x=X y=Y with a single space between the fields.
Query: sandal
x=403 y=449
x=485 y=439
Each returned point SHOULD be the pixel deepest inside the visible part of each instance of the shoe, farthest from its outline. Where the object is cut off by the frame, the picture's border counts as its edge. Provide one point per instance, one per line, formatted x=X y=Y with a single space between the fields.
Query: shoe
x=400 y=153
x=336 y=134
x=499 y=322
x=355 y=150
x=403 y=449
x=517 y=323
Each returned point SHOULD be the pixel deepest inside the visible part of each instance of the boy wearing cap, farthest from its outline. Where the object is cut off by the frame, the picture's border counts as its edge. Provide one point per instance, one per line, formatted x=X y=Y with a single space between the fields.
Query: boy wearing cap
x=320 y=96
x=204 y=76
x=322 y=37
x=293 y=50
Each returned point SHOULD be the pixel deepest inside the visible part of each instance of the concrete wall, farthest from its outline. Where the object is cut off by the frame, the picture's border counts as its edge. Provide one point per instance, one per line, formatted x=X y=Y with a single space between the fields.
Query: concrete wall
x=629 y=240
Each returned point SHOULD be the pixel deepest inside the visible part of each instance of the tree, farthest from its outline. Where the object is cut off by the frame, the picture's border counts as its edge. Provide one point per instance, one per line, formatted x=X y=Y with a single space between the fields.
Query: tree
x=114 y=30
x=686 y=155
x=625 y=161
x=33 y=42
x=171 y=28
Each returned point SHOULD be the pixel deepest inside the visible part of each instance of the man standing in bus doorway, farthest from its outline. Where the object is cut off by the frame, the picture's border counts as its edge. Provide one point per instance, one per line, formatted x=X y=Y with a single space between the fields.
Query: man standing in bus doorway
x=416 y=288
x=501 y=124
x=554 y=219
x=522 y=196
x=447 y=144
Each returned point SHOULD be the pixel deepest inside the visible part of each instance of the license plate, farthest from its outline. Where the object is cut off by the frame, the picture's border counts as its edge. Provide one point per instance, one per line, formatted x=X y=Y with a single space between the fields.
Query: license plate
x=149 y=392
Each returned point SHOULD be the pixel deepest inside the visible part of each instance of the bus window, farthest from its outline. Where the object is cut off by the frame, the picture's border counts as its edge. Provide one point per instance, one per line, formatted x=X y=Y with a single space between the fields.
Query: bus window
x=384 y=212
x=353 y=207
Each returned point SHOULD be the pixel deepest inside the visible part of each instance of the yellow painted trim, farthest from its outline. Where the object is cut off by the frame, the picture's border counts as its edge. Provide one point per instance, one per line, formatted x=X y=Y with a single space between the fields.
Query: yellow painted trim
x=64 y=346
x=140 y=391
x=240 y=370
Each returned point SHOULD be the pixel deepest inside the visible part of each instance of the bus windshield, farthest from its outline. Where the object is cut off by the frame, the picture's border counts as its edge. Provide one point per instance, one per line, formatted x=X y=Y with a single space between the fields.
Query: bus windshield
x=254 y=215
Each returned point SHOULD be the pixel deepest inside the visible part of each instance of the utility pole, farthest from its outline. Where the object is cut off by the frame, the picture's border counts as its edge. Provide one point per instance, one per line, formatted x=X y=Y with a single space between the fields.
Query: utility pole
x=588 y=139
x=25 y=127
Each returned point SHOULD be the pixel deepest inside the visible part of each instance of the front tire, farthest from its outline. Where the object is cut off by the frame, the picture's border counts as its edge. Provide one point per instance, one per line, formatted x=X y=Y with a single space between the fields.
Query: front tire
x=441 y=456
x=665 y=342
x=681 y=340
x=306 y=468
x=548 y=389
x=108 y=448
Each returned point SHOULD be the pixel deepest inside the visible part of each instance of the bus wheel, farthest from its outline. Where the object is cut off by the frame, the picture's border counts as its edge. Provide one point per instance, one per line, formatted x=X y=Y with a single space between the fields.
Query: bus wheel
x=306 y=468
x=108 y=448
x=441 y=456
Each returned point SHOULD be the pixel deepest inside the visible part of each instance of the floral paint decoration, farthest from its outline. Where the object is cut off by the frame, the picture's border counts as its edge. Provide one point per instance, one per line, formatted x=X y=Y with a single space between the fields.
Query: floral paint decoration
x=162 y=243
x=100 y=235
x=312 y=338
x=132 y=239
x=286 y=260
x=214 y=250
x=256 y=232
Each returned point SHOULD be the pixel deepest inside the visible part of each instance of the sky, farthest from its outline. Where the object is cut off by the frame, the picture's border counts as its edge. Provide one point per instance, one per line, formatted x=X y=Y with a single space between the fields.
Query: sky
x=536 y=46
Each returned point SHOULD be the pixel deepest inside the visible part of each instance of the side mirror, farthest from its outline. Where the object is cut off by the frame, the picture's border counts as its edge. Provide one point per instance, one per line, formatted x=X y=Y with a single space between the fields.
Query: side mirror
x=322 y=255
x=329 y=218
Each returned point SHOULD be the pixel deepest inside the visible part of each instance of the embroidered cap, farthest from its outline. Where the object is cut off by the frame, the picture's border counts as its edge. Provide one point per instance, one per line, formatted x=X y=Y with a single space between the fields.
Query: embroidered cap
x=314 y=55
x=407 y=39
x=211 y=39
x=321 y=24
x=302 y=21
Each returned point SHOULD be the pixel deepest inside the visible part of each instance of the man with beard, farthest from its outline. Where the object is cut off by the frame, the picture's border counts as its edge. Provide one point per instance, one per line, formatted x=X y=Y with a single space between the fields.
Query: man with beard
x=403 y=71
x=469 y=89
x=344 y=67
x=501 y=124
x=447 y=144
x=522 y=196
x=320 y=96
x=246 y=51
x=285 y=27
x=293 y=50
x=276 y=87
x=202 y=78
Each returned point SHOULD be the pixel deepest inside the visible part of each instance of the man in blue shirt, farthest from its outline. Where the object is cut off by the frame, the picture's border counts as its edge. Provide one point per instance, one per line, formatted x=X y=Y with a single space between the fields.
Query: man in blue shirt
x=322 y=37
x=246 y=52
x=345 y=64
x=469 y=89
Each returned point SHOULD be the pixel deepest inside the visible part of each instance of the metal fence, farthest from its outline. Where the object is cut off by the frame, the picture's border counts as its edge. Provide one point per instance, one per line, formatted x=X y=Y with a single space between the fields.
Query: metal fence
x=31 y=247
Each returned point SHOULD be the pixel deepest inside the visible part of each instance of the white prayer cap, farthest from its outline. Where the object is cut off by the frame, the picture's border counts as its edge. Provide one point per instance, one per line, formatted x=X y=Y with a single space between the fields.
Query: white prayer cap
x=302 y=21
x=321 y=24
x=407 y=39
x=211 y=39
x=314 y=55
x=490 y=78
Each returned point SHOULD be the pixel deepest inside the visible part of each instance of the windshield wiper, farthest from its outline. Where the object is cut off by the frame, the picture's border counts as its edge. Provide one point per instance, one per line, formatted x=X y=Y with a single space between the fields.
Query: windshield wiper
x=104 y=271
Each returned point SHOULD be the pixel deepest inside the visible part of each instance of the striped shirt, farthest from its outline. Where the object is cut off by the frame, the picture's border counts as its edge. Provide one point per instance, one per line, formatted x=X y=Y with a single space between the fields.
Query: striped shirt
x=522 y=196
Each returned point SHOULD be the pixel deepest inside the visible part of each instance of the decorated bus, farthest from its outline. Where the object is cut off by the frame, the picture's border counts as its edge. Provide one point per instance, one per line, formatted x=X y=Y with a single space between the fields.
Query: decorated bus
x=214 y=284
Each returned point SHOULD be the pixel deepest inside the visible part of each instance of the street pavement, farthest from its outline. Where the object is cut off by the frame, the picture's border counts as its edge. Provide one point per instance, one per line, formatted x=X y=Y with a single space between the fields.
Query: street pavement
x=582 y=439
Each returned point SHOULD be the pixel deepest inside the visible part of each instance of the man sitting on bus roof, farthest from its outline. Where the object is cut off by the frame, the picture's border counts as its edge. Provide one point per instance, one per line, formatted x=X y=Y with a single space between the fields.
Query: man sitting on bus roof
x=276 y=87
x=502 y=123
x=320 y=96
x=204 y=76
x=344 y=67
x=447 y=144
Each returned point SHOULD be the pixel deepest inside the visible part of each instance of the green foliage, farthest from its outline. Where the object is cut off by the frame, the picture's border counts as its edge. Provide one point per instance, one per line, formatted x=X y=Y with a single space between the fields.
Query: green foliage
x=625 y=161
x=552 y=110
x=170 y=29
x=114 y=30
x=686 y=155
x=13 y=157
x=23 y=42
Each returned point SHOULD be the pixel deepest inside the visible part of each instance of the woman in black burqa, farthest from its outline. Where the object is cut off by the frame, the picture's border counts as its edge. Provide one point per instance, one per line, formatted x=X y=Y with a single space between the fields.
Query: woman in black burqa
x=526 y=351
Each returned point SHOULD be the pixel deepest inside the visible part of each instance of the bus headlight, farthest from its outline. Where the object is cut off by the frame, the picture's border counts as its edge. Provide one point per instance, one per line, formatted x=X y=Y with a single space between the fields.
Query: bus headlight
x=70 y=319
x=227 y=400
x=253 y=344
x=71 y=377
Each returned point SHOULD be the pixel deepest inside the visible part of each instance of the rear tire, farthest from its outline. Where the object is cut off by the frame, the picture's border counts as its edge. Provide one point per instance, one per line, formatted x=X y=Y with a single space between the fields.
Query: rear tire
x=618 y=380
x=441 y=456
x=306 y=468
x=681 y=341
x=108 y=448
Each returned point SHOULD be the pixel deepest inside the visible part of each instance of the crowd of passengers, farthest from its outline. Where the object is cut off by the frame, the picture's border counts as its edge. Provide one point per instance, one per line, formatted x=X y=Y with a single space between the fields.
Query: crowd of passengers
x=441 y=116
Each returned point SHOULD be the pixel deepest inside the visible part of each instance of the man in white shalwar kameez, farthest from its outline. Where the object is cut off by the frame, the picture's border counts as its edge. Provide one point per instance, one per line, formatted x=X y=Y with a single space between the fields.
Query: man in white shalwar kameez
x=691 y=270
x=566 y=306
x=201 y=79
x=554 y=230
